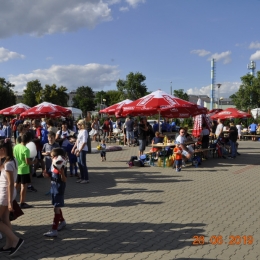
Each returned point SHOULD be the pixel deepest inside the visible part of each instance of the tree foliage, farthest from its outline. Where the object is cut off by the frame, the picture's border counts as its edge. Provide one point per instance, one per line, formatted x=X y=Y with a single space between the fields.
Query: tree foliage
x=7 y=96
x=181 y=94
x=33 y=88
x=53 y=95
x=248 y=95
x=133 y=87
x=84 y=99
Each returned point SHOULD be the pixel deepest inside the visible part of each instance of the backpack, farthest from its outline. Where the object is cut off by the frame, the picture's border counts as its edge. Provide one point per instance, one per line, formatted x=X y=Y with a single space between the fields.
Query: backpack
x=131 y=161
x=44 y=136
x=69 y=134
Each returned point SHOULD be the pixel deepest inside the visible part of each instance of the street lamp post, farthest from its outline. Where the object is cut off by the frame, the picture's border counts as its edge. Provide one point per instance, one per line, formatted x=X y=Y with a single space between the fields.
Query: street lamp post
x=220 y=99
x=218 y=92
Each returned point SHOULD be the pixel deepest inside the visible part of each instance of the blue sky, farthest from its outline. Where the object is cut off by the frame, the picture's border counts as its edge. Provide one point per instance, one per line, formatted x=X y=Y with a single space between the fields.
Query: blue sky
x=96 y=42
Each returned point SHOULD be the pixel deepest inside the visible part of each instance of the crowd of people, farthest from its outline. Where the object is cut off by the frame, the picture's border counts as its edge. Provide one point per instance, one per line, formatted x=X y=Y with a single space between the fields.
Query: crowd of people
x=55 y=144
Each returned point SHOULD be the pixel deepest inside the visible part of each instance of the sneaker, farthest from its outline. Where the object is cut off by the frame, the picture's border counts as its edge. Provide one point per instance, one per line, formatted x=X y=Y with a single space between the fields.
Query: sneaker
x=7 y=250
x=79 y=180
x=1 y=236
x=84 y=182
x=15 y=249
x=51 y=233
x=40 y=176
x=31 y=188
x=34 y=174
x=238 y=153
x=25 y=206
x=62 y=225
x=179 y=169
x=230 y=157
x=224 y=157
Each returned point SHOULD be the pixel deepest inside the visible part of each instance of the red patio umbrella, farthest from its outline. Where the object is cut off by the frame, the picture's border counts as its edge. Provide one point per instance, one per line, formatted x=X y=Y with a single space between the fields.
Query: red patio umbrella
x=46 y=109
x=112 y=109
x=15 y=109
x=160 y=102
x=231 y=113
x=213 y=112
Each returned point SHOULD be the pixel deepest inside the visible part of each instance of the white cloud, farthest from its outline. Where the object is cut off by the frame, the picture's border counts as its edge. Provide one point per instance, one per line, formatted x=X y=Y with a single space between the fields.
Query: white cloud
x=96 y=76
x=135 y=3
x=225 y=56
x=226 y=90
x=47 y=17
x=255 y=56
x=6 y=55
x=124 y=9
x=201 y=53
x=254 y=45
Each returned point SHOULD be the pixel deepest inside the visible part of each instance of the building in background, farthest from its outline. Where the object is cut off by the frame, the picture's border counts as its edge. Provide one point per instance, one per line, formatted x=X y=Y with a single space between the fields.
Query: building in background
x=221 y=103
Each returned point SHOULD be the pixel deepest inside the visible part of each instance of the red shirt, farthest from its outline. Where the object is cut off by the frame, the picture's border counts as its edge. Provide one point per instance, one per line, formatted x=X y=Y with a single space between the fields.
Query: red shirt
x=106 y=126
x=178 y=156
x=38 y=143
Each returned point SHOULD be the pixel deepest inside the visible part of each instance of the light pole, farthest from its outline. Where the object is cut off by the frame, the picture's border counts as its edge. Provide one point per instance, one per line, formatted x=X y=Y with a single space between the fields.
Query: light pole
x=218 y=92
x=220 y=99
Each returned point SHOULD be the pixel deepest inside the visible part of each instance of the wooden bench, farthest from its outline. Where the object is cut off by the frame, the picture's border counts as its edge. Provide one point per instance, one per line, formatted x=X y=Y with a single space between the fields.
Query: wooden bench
x=245 y=137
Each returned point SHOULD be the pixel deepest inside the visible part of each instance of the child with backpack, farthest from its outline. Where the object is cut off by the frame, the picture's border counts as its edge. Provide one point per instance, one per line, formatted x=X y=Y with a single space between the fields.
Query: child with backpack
x=58 y=184
x=72 y=157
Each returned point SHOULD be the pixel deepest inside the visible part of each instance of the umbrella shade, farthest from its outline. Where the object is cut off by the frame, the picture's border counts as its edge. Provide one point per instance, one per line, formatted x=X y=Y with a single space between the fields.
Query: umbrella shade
x=15 y=109
x=46 y=109
x=214 y=111
x=230 y=113
x=111 y=110
x=159 y=101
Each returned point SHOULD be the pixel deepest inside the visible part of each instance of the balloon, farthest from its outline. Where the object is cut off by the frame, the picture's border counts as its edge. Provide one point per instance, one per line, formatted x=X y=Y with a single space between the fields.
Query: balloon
x=32 y=147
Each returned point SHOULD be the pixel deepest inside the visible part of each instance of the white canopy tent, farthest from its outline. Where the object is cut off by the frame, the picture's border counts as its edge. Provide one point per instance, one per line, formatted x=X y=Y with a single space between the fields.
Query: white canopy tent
x=75 y=112
x=255 y=113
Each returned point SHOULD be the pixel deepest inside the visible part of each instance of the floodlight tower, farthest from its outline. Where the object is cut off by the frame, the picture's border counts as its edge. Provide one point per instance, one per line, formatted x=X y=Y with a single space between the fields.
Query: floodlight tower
x=252 y=67
x=212 y=88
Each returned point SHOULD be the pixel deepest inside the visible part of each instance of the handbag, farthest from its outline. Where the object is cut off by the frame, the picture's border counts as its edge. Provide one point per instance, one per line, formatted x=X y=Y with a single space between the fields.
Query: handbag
x=16 y=213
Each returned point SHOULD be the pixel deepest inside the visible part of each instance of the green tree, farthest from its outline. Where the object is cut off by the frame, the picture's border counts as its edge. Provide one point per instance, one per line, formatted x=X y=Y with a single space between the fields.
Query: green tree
x=84 y=99
x=33 y=88
x=53 y=95
x=7 y=96
x=113 y=96
x=181 y=94
x=248 y=94
x=133 y=87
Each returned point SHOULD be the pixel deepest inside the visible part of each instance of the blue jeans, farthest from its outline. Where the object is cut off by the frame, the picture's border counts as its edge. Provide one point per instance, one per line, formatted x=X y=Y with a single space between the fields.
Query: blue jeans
x=83 y=169
x=233 y=148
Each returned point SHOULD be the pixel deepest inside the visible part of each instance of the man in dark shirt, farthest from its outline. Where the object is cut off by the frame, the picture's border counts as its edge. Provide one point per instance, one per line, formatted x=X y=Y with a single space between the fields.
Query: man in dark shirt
x=143 y=128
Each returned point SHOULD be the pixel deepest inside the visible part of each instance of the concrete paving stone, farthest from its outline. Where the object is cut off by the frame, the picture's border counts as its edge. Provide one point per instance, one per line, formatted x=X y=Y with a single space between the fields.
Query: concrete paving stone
x=150 y=208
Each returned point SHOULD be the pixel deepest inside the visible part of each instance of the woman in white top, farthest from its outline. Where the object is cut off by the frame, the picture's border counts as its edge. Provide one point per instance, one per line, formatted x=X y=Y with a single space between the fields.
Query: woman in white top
x=8 y=176
x=80 y=149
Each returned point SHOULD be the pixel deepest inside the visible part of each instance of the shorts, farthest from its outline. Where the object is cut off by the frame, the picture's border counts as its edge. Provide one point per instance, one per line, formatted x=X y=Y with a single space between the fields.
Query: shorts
x=205 y=145
x=39 y=155
x=23 y=178
x=130 y=135
x=178 y=162
x=253 y=133
x=57 y=200
x=142 y=144
x=185 y=153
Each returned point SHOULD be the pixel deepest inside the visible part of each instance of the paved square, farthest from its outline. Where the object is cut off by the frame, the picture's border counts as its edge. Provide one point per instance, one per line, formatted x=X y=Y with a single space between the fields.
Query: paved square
x=151 y=212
